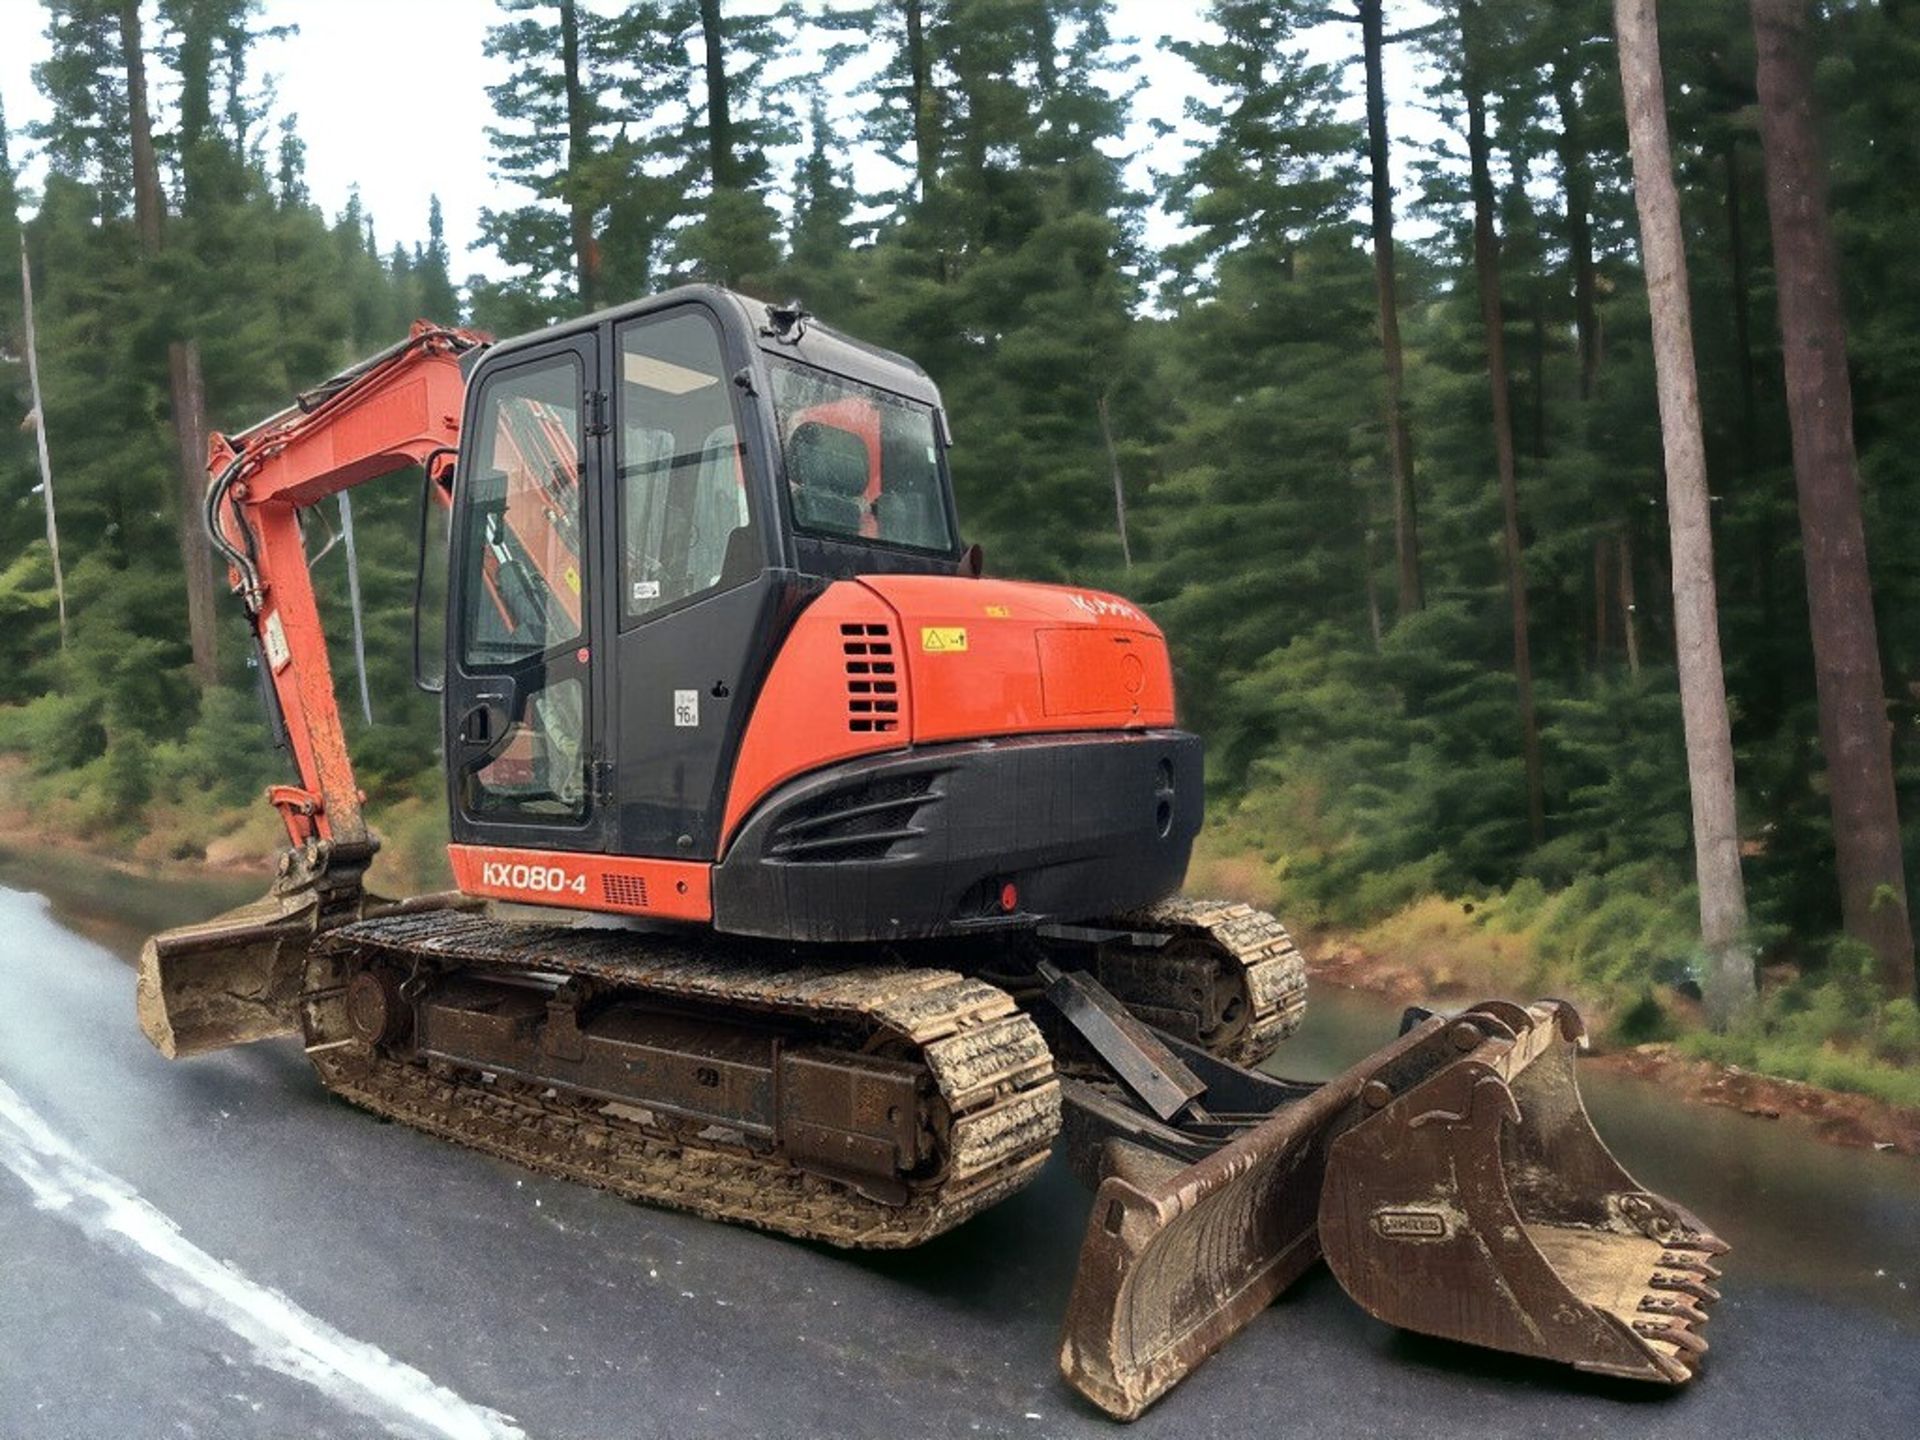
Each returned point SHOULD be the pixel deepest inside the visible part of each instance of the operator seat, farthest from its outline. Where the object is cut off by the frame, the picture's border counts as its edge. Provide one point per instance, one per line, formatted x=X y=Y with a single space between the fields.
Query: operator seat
x=828 y=471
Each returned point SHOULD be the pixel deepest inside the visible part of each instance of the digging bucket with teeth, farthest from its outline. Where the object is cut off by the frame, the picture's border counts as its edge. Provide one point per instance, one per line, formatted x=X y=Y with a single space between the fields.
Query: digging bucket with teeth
x=1451 y=1179
x=1480 y=1205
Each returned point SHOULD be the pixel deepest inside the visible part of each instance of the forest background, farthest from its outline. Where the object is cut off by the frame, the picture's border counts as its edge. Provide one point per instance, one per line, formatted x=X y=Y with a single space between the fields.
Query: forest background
x=1421 y=603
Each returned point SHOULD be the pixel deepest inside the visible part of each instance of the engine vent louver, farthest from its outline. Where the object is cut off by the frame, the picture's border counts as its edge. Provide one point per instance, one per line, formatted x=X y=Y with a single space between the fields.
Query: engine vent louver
x=867 y=820
x=625 y=890
x=873 y=682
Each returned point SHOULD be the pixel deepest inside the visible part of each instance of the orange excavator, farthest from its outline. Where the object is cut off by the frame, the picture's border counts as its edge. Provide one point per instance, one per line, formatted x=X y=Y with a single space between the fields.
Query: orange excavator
x=810 y=880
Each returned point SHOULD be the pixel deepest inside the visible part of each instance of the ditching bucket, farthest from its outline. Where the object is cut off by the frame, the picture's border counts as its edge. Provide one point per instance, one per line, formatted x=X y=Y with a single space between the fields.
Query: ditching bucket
x=230 y=980
x=1452 y=1179
x=237 y=978
x=1480 y=1205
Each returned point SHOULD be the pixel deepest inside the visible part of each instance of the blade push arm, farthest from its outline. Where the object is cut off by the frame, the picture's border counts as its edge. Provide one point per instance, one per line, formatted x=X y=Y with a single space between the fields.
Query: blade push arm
x=400 y=408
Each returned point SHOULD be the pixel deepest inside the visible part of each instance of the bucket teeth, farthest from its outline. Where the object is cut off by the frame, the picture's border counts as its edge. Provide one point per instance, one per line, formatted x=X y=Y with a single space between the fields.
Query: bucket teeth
x=1673 y=1260
x=1703 y=1241
x=1677 y=1335
x=1686 y=1285
x=1673 y=1305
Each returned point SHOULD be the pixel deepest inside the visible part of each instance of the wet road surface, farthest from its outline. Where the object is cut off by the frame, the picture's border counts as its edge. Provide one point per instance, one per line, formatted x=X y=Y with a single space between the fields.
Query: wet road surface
x=215 y=1248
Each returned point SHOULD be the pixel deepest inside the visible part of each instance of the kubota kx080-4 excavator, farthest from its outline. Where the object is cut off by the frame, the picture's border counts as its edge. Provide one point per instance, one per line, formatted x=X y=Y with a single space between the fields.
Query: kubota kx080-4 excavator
x=809 y=880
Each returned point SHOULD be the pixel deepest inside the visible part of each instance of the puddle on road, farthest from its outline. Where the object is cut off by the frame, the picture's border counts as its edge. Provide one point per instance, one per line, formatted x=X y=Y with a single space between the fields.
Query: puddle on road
x=1839 y=1224
x=120 y=908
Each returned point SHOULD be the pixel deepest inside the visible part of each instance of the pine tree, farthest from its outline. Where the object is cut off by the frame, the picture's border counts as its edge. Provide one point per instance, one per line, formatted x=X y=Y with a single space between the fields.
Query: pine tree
x=437 y=298
x=1272 y=332
x=1487 y=277
x=731 y=235
x=88 y=135
x=1723 y=903
x=1406 y=524
x=820 y=266
x=1853 y=706
x=581 y=131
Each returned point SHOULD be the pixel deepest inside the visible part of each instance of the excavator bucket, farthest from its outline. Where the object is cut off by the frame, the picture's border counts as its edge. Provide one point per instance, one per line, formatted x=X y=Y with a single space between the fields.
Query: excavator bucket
x=237 y=978
x=1480 y=1205
x=1452 y=1180
x=230 y=980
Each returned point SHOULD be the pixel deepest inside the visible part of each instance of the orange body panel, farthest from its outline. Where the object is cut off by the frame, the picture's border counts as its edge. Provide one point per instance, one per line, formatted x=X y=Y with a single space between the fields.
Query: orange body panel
x=968 y=659
x=665 y=889
x=809 y=712
x=1034 y=658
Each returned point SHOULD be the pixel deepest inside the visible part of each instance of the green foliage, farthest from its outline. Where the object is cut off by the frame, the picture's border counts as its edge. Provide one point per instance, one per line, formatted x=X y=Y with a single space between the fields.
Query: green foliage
x=1840 y=1032
x=1367 y=765
x=54 y=732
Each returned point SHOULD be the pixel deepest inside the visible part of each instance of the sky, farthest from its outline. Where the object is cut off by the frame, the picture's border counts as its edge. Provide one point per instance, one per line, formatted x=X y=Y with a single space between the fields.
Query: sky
x=391 y=97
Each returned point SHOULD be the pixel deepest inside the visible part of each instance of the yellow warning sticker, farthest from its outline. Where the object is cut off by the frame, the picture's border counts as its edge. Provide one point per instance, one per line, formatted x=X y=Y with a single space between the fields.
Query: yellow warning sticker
x=573 y=579
x=998 y=612
x=943 y=639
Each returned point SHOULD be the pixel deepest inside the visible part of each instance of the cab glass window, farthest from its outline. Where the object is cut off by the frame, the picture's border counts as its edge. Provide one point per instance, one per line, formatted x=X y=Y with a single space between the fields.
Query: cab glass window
x=523 y=577
x=523 y=541
x=686 y=526
x=861 y=464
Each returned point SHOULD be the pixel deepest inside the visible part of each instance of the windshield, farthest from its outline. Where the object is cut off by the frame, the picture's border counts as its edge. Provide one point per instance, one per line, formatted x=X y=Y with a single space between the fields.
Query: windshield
x=861 y=464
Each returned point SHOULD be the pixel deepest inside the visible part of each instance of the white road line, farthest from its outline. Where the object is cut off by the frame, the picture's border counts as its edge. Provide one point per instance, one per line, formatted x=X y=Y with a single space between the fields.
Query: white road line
x=283 y=1336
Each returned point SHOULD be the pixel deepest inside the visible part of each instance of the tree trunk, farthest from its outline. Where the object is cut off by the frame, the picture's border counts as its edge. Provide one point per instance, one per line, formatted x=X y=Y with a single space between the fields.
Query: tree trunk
x=1119 y=489
x=1577 y=171
x=1629 y=610
x=719 y=109
x=1486 y=266
x=146 y=169
x=926 y=142
x=586 y=246
x=40 y=435
x=1406 y=526
x=1729 y=981
x=190 y=435
x=186 y=394
x=1854 y=730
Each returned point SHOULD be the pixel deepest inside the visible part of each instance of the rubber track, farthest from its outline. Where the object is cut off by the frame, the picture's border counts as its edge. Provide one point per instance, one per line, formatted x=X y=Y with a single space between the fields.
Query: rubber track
x=990 y=1066
x=1259 y=947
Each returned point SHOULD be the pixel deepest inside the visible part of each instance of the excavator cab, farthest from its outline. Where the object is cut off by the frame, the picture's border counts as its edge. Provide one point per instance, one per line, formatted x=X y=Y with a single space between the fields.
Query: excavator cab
x=645 y=497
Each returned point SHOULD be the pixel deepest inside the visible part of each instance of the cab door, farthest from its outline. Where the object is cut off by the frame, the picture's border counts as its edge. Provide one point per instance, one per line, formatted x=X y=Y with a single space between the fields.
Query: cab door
x=525 y=699
x=700 y=608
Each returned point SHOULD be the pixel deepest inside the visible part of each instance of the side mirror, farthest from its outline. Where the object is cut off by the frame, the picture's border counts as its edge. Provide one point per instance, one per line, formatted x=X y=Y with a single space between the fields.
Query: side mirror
x=430 y=579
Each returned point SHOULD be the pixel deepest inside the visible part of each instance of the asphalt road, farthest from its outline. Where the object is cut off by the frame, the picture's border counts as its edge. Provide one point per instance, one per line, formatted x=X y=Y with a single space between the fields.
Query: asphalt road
x=215 y=1248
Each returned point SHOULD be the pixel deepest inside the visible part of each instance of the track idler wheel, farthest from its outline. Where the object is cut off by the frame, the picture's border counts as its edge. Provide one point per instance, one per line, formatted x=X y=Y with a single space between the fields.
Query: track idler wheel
x=376 y=1013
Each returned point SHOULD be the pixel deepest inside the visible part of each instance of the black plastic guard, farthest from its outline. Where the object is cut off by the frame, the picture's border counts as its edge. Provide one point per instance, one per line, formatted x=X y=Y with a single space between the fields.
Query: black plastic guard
x=926 y=841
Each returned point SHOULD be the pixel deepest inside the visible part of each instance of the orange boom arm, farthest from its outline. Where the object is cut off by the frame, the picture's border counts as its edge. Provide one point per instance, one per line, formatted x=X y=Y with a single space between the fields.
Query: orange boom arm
x=400 y=408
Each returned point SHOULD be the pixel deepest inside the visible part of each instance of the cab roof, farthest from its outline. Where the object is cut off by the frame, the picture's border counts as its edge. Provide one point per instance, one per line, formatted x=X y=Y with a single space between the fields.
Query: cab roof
x=766 y=327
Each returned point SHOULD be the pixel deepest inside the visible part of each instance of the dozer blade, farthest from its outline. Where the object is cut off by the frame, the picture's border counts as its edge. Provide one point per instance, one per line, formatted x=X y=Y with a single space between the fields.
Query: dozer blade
x=237 y=978
x=1480 y=1205
x=1503 y=1221
x=1178 y=1258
